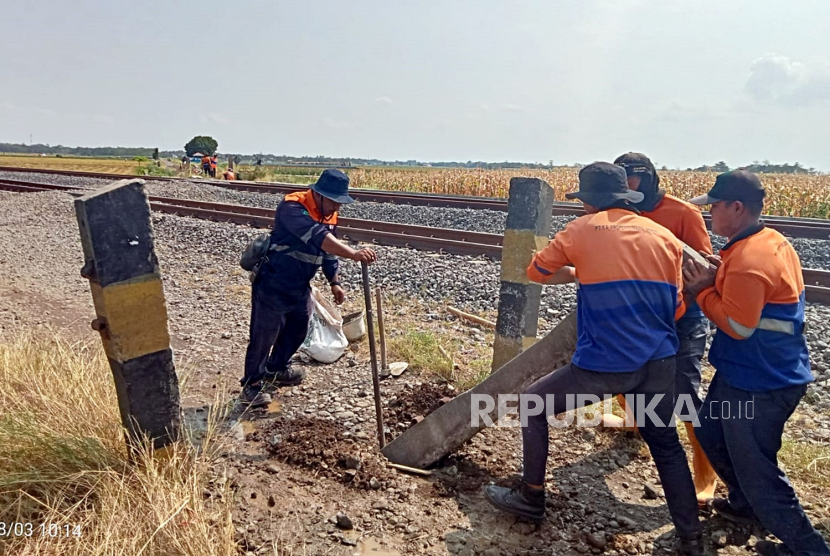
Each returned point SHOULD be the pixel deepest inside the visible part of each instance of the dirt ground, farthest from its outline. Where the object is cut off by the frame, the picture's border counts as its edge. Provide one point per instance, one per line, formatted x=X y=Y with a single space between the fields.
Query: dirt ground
x=306 y=471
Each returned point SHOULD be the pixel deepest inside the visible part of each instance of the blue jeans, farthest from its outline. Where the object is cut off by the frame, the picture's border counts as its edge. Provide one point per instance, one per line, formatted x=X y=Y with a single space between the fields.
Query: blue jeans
x=741 y=433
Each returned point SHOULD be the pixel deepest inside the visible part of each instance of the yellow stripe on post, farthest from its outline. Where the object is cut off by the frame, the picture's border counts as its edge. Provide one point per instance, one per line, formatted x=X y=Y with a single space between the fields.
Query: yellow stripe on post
x=131 y=315
x=526 y=231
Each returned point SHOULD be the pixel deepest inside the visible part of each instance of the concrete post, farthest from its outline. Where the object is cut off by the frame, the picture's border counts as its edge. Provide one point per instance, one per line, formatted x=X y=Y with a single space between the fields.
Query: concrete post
x=527 y=230
x=452 y=424
x=131 y=315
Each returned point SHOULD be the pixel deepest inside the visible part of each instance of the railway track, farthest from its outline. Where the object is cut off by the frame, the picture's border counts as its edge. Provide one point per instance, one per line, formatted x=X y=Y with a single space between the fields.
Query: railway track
x=808 y=228
x=444 y=240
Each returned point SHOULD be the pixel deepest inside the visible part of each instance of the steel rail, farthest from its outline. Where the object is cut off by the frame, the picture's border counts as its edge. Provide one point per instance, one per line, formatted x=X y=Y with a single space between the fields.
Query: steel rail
x=444 y=240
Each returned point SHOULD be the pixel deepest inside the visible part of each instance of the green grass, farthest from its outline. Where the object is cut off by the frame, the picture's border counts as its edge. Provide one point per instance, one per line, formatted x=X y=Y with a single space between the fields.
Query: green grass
x=422 y=349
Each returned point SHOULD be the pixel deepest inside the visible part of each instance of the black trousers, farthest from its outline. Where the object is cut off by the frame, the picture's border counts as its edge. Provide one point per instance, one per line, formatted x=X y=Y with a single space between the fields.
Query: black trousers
x=652 y=381
x=741 y=433
x=276 y=330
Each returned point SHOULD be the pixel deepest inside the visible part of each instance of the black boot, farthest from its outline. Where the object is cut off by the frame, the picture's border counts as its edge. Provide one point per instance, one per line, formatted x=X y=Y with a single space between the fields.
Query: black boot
x=520 y=500
x=287 y=377
x=726 y=510
x=690 y=546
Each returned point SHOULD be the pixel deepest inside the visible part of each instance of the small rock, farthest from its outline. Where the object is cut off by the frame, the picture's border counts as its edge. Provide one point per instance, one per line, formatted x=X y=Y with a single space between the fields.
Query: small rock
x=271 y=468
x=452 y=471
x=344 y=521
x=352 y=363
x=626 y=522
x=650 y=492
x=720 y=538
x=374 y=484
x=597 y=540
x=347 y=541
x=381 y=504
x=351 y=462
x=271 y=501
x=492 y=551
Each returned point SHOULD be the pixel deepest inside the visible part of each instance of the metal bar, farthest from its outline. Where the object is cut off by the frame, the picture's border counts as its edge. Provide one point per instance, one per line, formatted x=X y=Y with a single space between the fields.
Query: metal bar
x=384 y=367
x=367 y=298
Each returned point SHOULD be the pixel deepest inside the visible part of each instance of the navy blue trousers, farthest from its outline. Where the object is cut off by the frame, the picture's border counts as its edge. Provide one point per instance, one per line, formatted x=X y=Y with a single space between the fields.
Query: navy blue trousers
x=742 y=440
x=655 y=378
x=278 y=329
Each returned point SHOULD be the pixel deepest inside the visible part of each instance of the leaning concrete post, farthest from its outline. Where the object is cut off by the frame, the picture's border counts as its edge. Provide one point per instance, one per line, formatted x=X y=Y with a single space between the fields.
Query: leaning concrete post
x=452 y=424
x=131 y=315
x=526 y=231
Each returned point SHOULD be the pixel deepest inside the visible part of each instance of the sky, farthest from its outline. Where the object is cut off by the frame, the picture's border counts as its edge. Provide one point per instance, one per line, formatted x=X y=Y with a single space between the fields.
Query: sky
x=688 y=82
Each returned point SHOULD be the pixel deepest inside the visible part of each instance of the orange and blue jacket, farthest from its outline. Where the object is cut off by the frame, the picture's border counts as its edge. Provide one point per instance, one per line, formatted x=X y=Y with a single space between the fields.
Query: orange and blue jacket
x=757 y=303
x=629 y=273
x=296 y=253
x=685 y=221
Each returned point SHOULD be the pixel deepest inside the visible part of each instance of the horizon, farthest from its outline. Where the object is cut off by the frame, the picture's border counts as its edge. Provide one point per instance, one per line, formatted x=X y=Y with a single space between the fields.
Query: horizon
x=689 y=82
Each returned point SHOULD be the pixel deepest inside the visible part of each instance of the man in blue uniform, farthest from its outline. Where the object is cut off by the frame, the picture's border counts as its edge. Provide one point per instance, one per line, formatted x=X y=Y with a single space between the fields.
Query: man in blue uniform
x=303 y=240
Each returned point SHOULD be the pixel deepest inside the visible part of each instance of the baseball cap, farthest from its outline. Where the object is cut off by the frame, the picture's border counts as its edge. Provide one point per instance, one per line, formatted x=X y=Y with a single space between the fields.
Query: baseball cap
x=635 y=164
x=737 y=185
x=602 y=184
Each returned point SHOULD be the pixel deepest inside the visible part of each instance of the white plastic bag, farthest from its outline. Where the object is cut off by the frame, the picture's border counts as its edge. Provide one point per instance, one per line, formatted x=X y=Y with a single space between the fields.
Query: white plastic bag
x=325 y=341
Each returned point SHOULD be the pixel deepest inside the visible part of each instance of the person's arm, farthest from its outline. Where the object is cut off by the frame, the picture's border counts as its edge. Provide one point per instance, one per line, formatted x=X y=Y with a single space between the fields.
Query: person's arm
x=334 y=246
x=737 y=309
x=695 y=234
x=549 y=265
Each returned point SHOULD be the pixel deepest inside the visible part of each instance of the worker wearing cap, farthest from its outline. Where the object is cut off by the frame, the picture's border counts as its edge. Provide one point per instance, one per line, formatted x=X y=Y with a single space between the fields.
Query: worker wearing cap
x=629 y=272
x=685 y=221
x=756 y=299
x=303 y=239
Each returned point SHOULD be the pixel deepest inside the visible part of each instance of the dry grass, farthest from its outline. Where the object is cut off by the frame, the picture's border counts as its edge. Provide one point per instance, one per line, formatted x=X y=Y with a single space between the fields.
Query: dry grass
x=101 y=165
x=787 y=194
x=63 y=463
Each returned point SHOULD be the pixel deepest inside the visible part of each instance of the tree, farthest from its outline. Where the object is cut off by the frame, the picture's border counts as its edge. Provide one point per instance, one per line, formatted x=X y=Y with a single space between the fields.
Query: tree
x=720 y=167
x=156 y=154
x=201 y=144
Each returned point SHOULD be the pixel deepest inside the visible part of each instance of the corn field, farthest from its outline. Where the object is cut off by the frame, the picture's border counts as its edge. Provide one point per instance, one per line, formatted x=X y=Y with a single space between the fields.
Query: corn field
x=787 y=194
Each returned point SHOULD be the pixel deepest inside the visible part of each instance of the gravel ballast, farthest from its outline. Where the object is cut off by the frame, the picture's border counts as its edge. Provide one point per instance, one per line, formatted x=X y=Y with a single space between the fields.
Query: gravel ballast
x=208 y=294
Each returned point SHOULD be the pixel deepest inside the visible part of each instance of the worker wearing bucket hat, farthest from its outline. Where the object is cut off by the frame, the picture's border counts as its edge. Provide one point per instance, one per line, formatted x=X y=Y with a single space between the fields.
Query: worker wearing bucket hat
x=302 y=241
x=628 y=297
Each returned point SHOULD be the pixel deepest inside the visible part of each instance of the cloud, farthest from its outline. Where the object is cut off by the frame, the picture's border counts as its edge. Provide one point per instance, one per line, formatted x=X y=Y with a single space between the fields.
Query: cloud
x=384 y=100
x=512 y=107
x=776 y=79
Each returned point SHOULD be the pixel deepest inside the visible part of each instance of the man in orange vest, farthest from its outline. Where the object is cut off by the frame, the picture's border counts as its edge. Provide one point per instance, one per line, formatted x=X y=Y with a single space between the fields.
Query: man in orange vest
x=303 y=240
x=756 y=299
x=685 y=221
x=206 y=165
x=229 y=175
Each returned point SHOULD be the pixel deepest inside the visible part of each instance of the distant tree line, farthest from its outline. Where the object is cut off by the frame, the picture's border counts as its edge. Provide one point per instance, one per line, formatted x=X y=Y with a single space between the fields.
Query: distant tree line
x=764 y=167
x=208 y=145
x=75 y=151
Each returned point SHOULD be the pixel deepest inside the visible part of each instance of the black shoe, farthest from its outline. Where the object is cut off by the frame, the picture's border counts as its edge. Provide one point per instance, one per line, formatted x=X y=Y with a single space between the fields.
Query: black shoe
x=288 y=377
x=723 y=508
x=690 y=547
x=520 y=500
x=254 y=396
x=769 y=548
